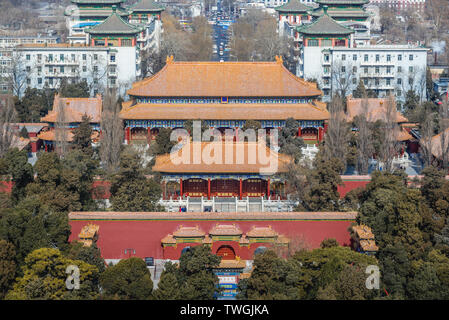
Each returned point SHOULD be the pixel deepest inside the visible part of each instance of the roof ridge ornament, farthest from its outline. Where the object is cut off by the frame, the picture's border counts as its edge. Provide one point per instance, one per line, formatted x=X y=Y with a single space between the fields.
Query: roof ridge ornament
x=279 y=59
x=169 y=59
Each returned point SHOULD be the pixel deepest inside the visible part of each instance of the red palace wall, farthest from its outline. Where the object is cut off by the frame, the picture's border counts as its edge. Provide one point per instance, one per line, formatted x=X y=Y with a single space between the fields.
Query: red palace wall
x=144 y=236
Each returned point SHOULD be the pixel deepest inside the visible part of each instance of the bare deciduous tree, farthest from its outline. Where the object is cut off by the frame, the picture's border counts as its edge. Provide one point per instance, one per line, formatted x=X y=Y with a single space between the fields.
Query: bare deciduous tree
x=61 y=134
x=444 y=136
x=338 y=132
x=364 y=139
x=111 y=131
x=427 y=130
x=7 y=116
x=389 y=144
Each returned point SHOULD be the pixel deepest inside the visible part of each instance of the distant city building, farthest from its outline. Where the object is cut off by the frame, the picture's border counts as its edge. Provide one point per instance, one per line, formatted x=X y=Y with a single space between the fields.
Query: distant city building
x=400 y=5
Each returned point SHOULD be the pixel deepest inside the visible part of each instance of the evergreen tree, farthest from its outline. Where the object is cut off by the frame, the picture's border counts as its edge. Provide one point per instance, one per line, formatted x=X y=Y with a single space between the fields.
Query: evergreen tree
x=7 y=267
x=168 y=287
x=129 y=279
x=15 y=163
x=131 y=190
x=82 y=136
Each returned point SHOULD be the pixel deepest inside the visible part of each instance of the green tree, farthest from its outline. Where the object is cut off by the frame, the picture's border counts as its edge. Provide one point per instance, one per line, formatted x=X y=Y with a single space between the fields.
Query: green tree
x=74 y=90
x=89 y=254
x=131 y=190
x=289 y=142
x=129 y=279
x=7 y=267
x=321 y=189
x=17 y=167
x=82 y=136
x=168 y=287
x=44 y=277
x=328 y=243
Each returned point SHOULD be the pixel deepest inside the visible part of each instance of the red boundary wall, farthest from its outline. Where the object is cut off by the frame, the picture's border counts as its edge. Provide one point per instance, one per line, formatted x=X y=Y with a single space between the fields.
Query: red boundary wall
x=144 y=235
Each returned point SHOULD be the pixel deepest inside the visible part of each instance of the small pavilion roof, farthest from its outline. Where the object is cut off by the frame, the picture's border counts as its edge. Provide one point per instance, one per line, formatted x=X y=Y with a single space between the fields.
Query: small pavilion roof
x=243 y=154
x=224 y=79
x=342 y=13
x=363 y=232
x=324 y=25
x=189 y=232
x=225 y=230
x=147 y=6
x=261 y=232
x=376 y=109
x=294 y=6
x=74 y=109
x=114 y=24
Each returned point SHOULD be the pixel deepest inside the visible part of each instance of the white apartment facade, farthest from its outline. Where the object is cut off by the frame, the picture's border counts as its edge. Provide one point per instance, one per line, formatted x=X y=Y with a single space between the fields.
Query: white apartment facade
x=277 y=3
x=382 y=68
x=100 y=67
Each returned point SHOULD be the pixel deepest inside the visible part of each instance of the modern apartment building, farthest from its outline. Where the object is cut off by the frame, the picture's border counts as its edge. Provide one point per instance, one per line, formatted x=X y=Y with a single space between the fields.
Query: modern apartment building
x=382 y=68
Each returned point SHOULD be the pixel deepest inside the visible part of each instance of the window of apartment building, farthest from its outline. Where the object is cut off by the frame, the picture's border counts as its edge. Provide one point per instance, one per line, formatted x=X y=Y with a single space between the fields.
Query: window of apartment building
x=39 y=80
x=354 y=57
x=50 y=81
x=343 y=81
x=95 y=68
x=388 y=82
x=410 y=69
x=39 y=57
x=377 y=58
x=84 y=56
x=28 y=81
x=354 y=80
x=112 y=81
x=326 y=81
x=399 y=93
x=365 y=70
x=73 y=69
x=410 y=57
x=95 y=56
x=61 y=57
x=112 y=69
x=326 y=58
x=365 y=81
x=388 y=69
x=326 y=43
x=28 y=68
x=377 y=69
x=388 y=57
x=50 y=57
x=326 y=92
x=376 y=82
x=39 y=69
x=28 y=57
x=95 y=81
x=399 y=57
x=410 y=81
x=326 y=70
x=112 y=58
x=310 y=43
x=61 y=69
x=399 y=81
x=84 y=69
x=399 y=69
x=343 y=57
x=73 y=57
x=365 y=58
x=354 y=69
x=343 y=69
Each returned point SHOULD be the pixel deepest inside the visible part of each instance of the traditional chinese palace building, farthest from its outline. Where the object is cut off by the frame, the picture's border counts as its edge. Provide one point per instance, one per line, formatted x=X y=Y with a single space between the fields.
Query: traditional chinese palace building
x=224 y=95
x=66 y=115
x=231 y=174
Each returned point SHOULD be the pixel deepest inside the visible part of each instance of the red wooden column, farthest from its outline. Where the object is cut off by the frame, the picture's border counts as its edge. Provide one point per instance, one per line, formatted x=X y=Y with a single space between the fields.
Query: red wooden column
x=208 y=189
x=180 y=187
x=320 y=134
x=240 y=190
x=268 y=188
x=299 y=132
x=164 y=184
x=127 y=135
